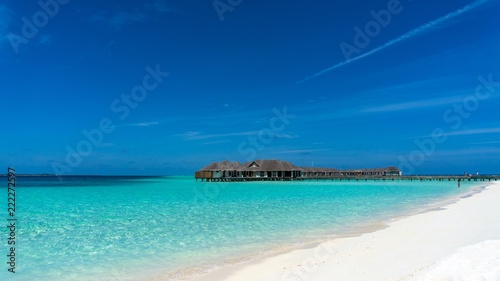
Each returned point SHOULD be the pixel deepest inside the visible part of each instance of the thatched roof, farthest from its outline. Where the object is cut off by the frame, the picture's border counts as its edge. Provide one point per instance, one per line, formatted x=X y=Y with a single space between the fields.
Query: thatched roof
x=318 y=169
x=222 y=166
x=392 y=169
x=278 y=165
x=269 y=166
x=388 y=169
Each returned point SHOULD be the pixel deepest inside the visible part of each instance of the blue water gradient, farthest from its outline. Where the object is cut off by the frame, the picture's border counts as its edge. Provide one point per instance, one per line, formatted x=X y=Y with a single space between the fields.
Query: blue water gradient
x=140 y=228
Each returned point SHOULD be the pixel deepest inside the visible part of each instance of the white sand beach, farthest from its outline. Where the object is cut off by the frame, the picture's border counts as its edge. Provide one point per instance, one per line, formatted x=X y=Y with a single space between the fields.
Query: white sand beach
x=458 y=242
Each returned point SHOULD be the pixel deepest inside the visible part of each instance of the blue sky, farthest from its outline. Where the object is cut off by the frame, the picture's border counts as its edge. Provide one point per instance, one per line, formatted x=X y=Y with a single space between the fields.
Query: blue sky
x=344 y=84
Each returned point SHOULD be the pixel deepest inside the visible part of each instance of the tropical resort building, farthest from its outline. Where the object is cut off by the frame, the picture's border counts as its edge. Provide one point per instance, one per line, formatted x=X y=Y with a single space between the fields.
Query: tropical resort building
x=281 y=170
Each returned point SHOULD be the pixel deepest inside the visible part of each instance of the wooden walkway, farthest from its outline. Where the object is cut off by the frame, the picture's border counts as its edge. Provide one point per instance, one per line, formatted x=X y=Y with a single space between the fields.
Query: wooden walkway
x=485 y=178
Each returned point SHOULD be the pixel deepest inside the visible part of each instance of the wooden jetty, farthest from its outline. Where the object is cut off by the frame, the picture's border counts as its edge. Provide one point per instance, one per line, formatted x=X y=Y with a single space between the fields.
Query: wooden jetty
x=276 y=170
x=485 y=178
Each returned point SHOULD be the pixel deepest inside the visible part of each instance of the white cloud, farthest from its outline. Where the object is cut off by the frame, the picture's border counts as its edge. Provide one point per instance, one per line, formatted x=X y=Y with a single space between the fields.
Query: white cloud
x=189 y=135
x=44 y=40
x=302 y=151
x=122 y=18
x=106 y=144
x=493 y=130
x=144 y=124
x=160 y=6
x=192 y=135
x=413 y=104
x=216 y=142
x=285 y=136
x=200 y=136
x=5 y=20
x=486 y=142
x=119 y=19
x=414 y=32
x=464 y=152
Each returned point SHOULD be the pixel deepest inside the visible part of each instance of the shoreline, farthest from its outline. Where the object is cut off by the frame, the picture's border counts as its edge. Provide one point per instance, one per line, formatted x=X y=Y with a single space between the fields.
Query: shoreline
x=198 y=271
x=408 y=244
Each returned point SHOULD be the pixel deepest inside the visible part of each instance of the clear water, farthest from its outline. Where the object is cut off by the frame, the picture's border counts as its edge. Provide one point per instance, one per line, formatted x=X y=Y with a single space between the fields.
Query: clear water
x=130 y=228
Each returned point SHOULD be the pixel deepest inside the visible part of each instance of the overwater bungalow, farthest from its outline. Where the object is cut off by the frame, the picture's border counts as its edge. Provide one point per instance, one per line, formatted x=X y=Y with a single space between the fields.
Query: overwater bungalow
x=269 y=169
x=223 y=169
x=281 y=170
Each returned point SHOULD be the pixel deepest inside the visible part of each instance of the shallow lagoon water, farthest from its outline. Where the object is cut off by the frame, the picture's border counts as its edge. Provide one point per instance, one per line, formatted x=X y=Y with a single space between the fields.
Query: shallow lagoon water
x=140 y=228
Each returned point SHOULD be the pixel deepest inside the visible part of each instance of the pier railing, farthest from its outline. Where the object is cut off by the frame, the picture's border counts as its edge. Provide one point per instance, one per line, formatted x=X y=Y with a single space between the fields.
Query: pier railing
x=352 y=178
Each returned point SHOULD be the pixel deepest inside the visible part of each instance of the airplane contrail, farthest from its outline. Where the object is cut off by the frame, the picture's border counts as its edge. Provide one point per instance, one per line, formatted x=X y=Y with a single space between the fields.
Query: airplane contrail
x=407 y=35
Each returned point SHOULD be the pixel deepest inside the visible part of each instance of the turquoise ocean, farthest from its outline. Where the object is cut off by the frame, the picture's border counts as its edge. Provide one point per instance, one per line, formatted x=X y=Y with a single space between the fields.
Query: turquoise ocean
x=167 y=228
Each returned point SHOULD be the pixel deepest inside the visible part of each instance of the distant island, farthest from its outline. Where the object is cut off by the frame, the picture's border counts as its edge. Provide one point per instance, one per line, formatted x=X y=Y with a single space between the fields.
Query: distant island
x=278 y=170
x=30 y=175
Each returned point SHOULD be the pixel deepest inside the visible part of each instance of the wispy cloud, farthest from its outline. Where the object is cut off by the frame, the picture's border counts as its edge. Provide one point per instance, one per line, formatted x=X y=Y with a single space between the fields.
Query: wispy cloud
x=414 y=32
x=285 y=136
x=413 y=105
x=118 y=19
x=216 y=142
x=302 y=151
x=486 y=142
x=146 y=12
x=144 y=124
x=5 y=20
x=463 y=152
x=124 y=18
x=106 y=144
x=45 y=40
x=480 y=131
x=160 y=6
x=192 y=135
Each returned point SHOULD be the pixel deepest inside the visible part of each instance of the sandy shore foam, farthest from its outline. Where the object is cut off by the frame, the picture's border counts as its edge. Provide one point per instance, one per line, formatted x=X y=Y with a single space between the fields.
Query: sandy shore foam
x=457 y=242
